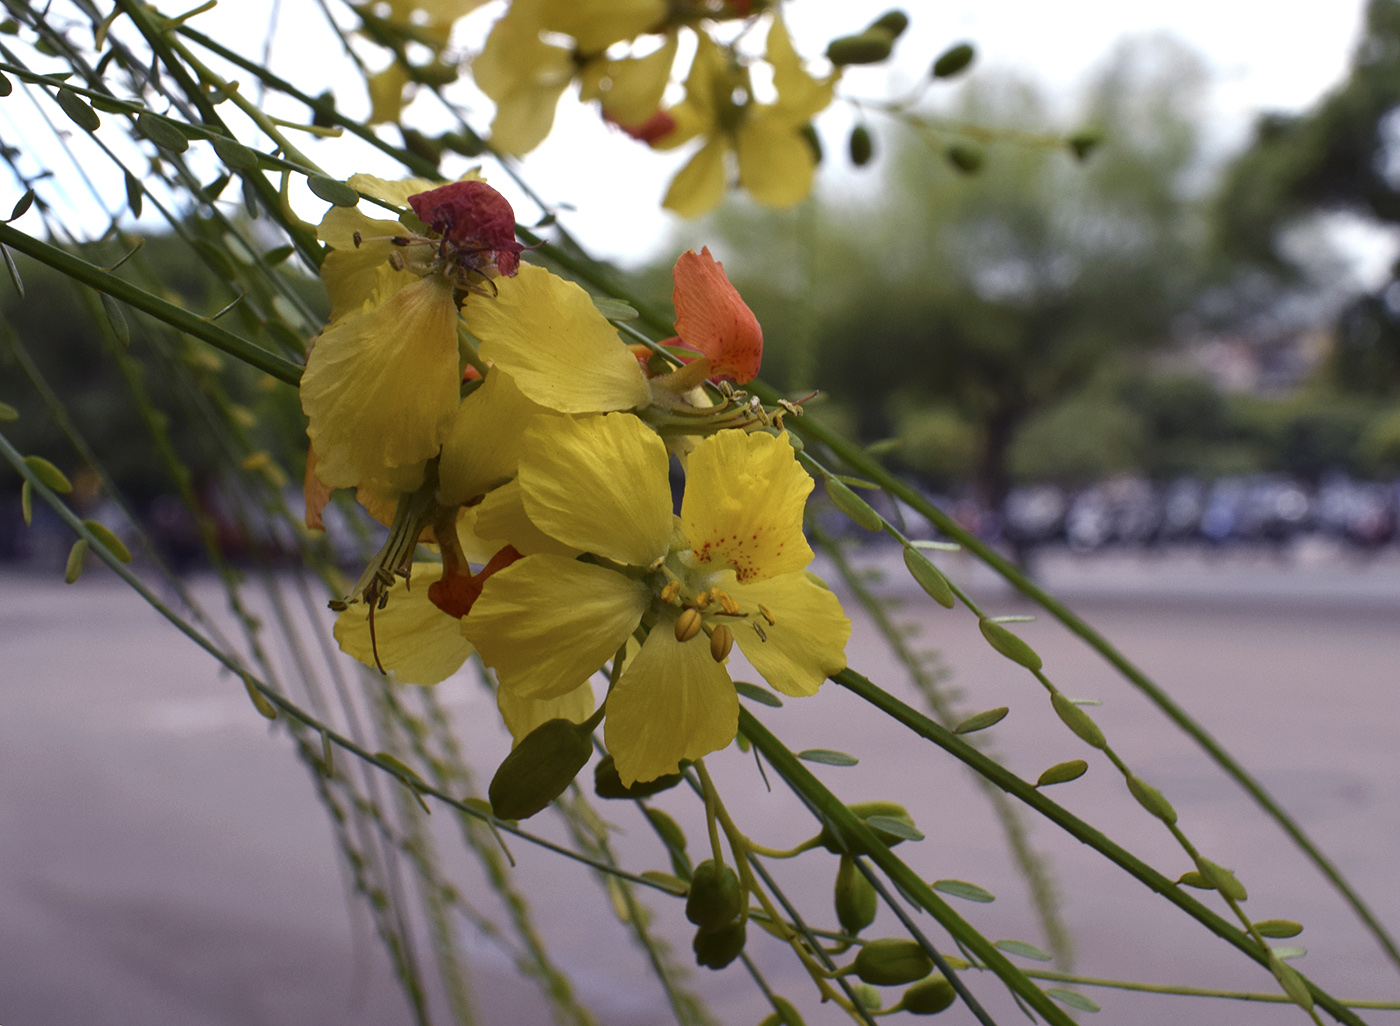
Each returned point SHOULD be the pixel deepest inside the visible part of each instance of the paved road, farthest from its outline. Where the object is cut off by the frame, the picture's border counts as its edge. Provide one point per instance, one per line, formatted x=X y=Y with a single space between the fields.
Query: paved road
x=163 y=860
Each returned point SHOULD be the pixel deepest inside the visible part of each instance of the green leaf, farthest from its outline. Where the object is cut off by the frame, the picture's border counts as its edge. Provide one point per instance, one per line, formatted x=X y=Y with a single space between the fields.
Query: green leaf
x=52 y=478
x=827 y=757
x=851 y=504
x=982 y=720
x=109 y=540
x=22 y=205
x=754 y=693
x=1015 y=947
x=953 y=61
x=77 y=109
x=26 y=501
x=116 y=319
x=6 y=86
x=400 y=768
x=928 y=577
x=1191 y=878
x=1072 y=998
x=1077 y=720
x=667 y=882
x=260 y=702
x=14 y=271
x=1289 y=951
x=1151 y=799
x=234 y=153
x=76 y=555
x=1009 y=645
x=1222 y=879
x=1063 y=773
x=937 y=546
x=615 y=309
x=162 y=133
x=8 y=412
x=133 y=194
x=898 y=827
x=1292 y=983
x=963 y=889
x=278 y=255
x=1278 y=928
x=332 y=191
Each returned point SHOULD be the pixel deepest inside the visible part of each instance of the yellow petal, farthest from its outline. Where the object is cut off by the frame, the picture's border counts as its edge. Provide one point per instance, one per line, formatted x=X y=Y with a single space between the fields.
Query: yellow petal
x=742 y=510
x=636 y=85
x=599 y=484
x=395 y=191
x=416 y=640
x=524 y=75
x=501 y=518
x=776 y=163
x=673 y=702
x=699 y=186
x=805 y=644
x=380 y=387
x=386 y=93
x=482 y=448
x=351 y=272
x=597 y=24
x=546 y=624
x=697 y=114
x=800 y=96
x=523 y=715
x=562 y=353
x=337 y=229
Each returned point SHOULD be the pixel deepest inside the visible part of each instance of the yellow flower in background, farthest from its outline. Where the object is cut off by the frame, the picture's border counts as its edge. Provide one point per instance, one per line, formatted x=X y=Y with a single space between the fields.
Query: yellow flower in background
x=732 y=568
x=775 y=160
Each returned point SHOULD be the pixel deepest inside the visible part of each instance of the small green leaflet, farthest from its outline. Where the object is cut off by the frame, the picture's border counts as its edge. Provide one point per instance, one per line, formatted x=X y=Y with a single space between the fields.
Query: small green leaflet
x=898 y=827
x=1289 y=951
x=1278 y=928
x=963 y=889
x=754 y=693
x=1072 y=998
x=332 y=191
x=1063 y=773
x=1015 y=947
x=982 y=720
x=615 y=309
x=827 y=757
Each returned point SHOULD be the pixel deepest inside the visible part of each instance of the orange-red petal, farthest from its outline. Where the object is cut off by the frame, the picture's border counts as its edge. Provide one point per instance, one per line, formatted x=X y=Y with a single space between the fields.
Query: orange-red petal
x=712 y=319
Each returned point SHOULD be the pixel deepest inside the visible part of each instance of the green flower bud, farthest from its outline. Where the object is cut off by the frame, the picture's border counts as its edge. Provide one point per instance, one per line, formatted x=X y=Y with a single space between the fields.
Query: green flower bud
x=953 y=60
x=607 y=783
x=715 y=949
x=868 y=47
x=539 y=769
x=965 y=159
x=861 y=146
x=866 y=995
x=894 y=22
x=864 y=811
x=715 y=895
x=783 y=1014
x=856 y=898
x=929 y=996
x=891 y=961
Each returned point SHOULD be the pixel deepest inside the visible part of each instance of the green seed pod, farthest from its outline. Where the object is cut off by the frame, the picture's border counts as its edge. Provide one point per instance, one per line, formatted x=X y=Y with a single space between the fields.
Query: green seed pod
x=866 y=995
x=715 y=896
x=76 y=555
x=967 y=160
x=539 y=769
x=1293 y=984
x=1077 y=720
x=864 y=811
x=608 y=784
x=929 y=996
x=1222 y=879
x=1151 y=799
x=1010 y=645
x=869 y=47
x=861 y=147
x=856 y=898
x=49 y=475
x=715 y=949
x=891 y=961
x=894 y=22
x=953 y=61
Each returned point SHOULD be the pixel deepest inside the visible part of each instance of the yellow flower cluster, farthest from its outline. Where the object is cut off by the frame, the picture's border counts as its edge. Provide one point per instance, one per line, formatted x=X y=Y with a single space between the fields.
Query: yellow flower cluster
x=488 y=406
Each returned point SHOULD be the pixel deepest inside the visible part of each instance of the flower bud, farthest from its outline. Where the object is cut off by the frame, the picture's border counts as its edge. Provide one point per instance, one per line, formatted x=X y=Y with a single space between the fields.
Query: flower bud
x=929 y=996
x=861 y=147
x=715 y=895
x=894 y=22
x=687 y=624
x=891 y=961
x=539 y=768
x=868 y=47
x=607 y=783
x=953 y=60
x=715 y=949
x=864 y=811
x=856 y=898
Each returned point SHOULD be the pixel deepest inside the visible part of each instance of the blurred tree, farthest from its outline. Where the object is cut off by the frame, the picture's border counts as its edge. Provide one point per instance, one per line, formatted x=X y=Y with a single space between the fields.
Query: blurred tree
x=994 y=295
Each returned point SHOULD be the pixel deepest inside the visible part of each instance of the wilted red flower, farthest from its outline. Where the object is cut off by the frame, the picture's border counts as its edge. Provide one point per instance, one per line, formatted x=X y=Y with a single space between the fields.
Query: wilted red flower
x=474 y=218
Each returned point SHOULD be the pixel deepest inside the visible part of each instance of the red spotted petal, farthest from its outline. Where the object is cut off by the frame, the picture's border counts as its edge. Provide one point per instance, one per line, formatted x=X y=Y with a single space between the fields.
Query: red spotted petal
x=713 y=320
x=472 y=214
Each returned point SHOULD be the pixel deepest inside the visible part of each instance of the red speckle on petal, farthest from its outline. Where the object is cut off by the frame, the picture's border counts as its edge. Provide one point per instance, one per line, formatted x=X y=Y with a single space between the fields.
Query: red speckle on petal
x=472 y=216
x=711 y=318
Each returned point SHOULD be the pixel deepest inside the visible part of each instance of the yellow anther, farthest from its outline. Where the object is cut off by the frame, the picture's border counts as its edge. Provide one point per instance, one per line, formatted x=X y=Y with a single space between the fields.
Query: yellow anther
x=671 y=592
x=702 y=601
x=727 y=602
x=687 y=624
x=766 y=615
x=721 y=641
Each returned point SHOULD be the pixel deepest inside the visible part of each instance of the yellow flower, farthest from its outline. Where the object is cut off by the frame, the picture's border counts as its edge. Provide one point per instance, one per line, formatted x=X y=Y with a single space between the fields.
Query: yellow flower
x=410 y=635
x=776 y=162
x=736 y=558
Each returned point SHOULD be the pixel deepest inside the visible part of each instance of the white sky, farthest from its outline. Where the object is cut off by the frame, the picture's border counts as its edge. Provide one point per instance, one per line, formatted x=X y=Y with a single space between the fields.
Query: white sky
x=1260 y=59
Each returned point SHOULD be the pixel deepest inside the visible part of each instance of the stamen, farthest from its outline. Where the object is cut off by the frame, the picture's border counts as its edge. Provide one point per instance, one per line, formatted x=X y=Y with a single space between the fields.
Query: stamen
x=758 y=628
x=396 y=261
x=766 y=614
x=359 y=239
x=688 y=624
x=671 y=593
x=702 y=601
x=727 y=602
x=721 y=641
